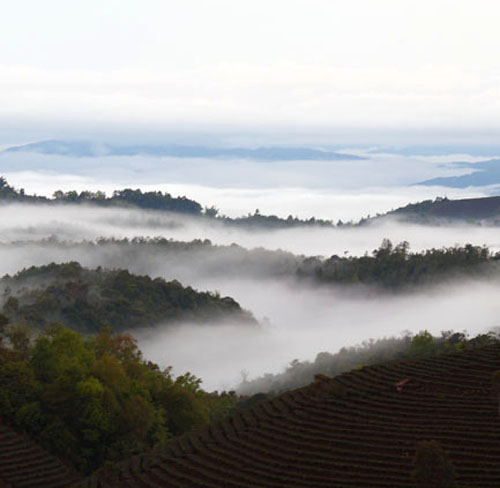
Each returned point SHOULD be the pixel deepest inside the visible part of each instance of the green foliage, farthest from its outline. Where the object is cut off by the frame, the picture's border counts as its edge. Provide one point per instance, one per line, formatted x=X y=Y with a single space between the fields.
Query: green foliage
x=4 y=320
x=159 y=201
x=394 y=267
x=153 y=200
x=423 y=344
x=94 y=400
x=88 y=300
x=18 y=335
x=433 y=468
x=17 y=386
x=273 y=222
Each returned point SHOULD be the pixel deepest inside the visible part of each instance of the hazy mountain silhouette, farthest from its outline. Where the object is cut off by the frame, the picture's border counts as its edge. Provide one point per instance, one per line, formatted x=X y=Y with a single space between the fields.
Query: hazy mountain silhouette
x=91 y=149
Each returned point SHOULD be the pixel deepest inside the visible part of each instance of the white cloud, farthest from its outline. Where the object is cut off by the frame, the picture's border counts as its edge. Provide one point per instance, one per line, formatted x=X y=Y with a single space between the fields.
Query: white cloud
x=285 y=95
x=330 y=190
x=295 y=64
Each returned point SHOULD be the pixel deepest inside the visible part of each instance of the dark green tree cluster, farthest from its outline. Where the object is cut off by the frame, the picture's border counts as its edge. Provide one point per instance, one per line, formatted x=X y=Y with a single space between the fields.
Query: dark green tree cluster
x=151 y=200
x=274 y=222
x=9 y=193
x=395 y=267
x=157 y=200
x=87 y=300
x=95 y=400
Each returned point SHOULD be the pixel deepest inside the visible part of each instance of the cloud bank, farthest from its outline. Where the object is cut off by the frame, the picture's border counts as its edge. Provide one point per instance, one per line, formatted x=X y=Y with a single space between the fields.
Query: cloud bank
x=298 y=320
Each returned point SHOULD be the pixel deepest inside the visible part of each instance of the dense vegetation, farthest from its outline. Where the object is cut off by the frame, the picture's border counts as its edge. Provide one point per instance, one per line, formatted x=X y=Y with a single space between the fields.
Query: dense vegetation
x=433 y=212
x=93 y=400
x=429 y=422
x=390 y=267
x=443 y=210
x=394 y=267
x=88 y=300
x=273 y=222
x=301 y=373
x=155 y=200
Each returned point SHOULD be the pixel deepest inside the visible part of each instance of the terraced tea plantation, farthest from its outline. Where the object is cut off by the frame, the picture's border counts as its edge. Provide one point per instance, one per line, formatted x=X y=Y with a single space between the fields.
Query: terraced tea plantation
x=24 y=464
x=357 y=430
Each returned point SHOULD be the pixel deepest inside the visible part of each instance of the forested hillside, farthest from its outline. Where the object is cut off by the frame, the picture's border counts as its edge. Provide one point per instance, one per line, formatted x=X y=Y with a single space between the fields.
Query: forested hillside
x=439 y=211
x=396 y=268
x=88 y=300
x=431 y=422
x=442 y=210
x=155 y=201
x=95 y=399
x=392 y=267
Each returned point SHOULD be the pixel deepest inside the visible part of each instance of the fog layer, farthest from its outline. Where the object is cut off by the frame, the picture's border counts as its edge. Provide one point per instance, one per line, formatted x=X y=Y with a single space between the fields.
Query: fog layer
x=28 y=222
x=324 y=189
x=305 y=321
x=298 y=320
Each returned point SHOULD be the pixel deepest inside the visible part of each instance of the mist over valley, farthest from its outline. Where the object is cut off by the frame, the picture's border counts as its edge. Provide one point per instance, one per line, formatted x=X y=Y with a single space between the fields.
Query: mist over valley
x=249 y=244
x=263 y=270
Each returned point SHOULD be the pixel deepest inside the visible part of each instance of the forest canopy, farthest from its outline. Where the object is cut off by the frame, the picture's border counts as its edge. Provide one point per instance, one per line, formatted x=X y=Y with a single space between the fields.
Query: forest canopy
x=89 y=299
x=94 y=400
x=155 y=201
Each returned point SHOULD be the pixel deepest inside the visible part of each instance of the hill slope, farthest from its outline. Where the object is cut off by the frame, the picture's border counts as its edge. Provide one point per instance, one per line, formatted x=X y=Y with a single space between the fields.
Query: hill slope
x=482 y=174
x=484 y=208
x=86 y=300
x=153 y=201
x=357 y=430
x=24 y=464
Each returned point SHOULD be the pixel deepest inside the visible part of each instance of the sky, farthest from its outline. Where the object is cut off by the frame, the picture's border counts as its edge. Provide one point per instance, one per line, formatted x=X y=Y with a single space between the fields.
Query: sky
x=336 y=73
x=333 y=70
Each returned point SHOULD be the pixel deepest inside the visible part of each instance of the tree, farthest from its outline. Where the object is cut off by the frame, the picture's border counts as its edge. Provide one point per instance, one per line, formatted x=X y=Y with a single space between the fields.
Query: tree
x=211 y=211
x=422 y=344
x=19 y=336
x=433 y=467
x=4 y=320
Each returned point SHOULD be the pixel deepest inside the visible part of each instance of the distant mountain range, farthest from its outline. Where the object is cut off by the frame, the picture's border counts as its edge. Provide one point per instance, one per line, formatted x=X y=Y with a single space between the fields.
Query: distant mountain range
x=91 y=149
x=484 y=173
x=481 y=150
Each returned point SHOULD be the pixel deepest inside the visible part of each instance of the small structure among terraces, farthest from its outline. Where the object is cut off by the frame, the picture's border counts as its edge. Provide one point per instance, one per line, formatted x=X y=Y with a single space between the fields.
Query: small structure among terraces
x=357 y=430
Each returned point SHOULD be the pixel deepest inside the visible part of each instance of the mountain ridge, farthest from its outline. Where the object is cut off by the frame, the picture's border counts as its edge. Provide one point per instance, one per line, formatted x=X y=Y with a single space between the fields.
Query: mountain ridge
x=264 y=153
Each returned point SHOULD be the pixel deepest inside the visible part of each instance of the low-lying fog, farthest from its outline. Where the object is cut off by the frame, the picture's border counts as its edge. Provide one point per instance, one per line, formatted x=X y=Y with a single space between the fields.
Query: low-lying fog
x=334 y=190
x=298 y=320
x=28 y=222
x=305 y=321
